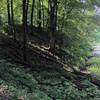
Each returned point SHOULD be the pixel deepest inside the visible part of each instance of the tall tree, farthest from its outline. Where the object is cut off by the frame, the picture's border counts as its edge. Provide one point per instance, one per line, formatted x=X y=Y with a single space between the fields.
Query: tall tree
x=12 y=21
x=53 y=21
x=24 y=20
x=9 y=15
x=32 y=11
x=39 y=15
x=42 y=13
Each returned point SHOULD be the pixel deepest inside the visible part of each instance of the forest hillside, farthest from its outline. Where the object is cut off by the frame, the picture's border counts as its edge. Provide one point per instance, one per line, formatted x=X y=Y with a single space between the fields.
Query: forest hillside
x=48 y=50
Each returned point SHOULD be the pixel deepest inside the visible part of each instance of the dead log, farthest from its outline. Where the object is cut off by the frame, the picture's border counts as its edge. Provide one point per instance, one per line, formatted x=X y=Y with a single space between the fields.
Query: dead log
x=95 y=81
x=9 y=41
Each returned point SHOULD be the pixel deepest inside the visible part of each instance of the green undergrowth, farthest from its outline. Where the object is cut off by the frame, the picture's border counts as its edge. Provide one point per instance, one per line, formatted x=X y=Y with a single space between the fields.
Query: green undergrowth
x=23 y=83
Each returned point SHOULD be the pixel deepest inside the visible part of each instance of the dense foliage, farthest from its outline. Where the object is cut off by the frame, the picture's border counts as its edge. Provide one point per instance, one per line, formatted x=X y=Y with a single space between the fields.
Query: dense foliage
x=23 y=84
x=74 y=28
x=43 y=43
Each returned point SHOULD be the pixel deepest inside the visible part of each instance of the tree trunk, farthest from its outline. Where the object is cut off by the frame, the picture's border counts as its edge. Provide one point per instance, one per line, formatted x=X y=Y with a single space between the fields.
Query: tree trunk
x=12 y=20
x=39 y=15
x=24 y=29
x=27 y=5
x=9 y=15
x=53 y=21
x=32 y=11
x=43 y=14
